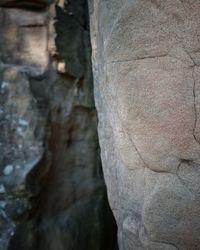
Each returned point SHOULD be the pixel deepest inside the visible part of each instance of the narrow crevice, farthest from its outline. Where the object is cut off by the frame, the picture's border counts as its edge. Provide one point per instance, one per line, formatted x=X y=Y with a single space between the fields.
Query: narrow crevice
x=36 y=5
x=32 y=25
x=193 y=91
x=195 y=108
x=138 y=58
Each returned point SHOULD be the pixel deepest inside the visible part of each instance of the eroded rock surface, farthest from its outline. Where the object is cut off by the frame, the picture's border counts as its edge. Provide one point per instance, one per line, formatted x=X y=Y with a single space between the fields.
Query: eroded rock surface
x=52 y=192
x=146 y=65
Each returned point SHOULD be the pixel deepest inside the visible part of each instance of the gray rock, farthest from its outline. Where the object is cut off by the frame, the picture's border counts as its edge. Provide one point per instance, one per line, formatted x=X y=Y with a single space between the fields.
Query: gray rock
x=146 y=71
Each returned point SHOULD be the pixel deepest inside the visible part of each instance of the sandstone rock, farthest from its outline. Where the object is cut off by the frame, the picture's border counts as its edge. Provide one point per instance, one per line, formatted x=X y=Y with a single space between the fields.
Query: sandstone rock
x=146 y=71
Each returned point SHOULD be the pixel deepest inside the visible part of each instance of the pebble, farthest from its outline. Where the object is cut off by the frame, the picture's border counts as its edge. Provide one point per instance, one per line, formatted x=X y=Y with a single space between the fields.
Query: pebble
x=8 y=170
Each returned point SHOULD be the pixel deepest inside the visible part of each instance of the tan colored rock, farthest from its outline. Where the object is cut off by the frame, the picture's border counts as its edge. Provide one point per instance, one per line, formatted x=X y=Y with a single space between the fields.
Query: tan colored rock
x=25 y=34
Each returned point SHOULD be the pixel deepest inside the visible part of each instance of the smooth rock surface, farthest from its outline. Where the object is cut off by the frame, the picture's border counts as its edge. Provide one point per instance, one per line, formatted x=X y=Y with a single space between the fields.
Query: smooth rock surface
x=146 y=68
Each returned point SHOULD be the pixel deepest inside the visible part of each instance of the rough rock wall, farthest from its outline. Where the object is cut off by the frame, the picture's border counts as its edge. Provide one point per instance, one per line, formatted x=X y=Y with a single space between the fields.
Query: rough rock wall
x=52 y=193
x=146 y=63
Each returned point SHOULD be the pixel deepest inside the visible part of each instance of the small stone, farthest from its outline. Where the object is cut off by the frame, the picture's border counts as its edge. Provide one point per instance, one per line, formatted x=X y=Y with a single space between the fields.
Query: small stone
x=17 y=166
x=8 y=170
x=2 y=188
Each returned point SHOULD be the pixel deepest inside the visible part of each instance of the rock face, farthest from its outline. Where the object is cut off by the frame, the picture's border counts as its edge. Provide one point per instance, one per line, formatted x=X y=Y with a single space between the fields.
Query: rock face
x=146 y=63
x=52 y=192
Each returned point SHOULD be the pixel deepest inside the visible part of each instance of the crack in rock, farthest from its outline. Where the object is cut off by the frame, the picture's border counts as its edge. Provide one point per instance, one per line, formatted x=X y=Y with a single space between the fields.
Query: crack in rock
x=139 y=58
x=195 y=108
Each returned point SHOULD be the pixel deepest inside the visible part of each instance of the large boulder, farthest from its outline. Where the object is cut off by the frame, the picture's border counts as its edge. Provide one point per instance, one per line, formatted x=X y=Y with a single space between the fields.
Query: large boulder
x=146 y=58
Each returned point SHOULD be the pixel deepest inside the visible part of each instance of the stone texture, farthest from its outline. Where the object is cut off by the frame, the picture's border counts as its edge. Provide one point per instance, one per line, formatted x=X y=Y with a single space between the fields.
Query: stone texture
x=146 y=71
x=20 y=147
x=52 y=192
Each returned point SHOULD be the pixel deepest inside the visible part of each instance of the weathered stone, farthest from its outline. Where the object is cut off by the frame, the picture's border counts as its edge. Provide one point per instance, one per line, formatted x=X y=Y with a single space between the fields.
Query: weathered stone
x=52 y=193
x=25 y=33
x=146 y=70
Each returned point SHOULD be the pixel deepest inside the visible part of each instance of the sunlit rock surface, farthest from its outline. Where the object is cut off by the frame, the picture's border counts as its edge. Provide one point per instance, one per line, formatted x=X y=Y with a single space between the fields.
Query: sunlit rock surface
x=52 y=193
x=147 y=90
